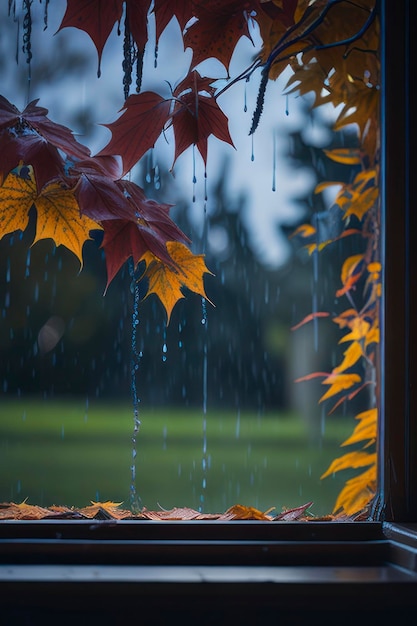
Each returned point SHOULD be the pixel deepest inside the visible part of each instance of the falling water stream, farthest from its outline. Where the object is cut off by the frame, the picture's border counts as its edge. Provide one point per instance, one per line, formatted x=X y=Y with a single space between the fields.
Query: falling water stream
x=135 y=500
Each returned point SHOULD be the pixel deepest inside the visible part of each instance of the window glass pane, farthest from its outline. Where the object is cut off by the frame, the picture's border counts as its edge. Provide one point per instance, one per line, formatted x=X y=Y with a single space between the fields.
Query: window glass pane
x=270 y=362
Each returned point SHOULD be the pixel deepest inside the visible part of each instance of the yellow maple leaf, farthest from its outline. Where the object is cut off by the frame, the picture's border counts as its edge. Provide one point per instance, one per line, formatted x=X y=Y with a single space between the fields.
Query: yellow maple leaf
x=59 y=219
x=17 y=195
x=166 y=281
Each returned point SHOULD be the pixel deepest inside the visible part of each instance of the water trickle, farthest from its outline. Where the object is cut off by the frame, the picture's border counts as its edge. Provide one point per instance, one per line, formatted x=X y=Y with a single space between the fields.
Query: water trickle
x=252 y=156
x=194 y=174
x=205 y=374
x=237 y=430
x=274 y=161
x=27 y=270
x=87 y=402
x=314 y=299
x=287 y=111
x=245 y=104
x=135 y=501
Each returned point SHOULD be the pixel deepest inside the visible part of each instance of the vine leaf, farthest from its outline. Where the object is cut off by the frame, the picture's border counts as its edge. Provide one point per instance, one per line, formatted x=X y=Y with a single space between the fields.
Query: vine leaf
x=365 y=430
x=167 y=280
x=350 y=357
x=359 y=490
x=338 y=383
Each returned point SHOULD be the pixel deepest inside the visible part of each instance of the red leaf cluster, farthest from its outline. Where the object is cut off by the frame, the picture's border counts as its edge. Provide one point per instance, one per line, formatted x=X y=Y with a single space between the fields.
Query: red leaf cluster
x=132 y=223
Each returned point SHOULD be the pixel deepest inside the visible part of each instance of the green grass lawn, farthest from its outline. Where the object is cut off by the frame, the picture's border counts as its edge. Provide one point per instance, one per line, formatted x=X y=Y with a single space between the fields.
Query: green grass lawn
x=59 y=453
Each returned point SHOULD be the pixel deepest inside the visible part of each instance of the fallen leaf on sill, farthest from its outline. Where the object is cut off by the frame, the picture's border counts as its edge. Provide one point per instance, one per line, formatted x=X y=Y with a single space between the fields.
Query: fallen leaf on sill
x=112 y=511
x=105 y=510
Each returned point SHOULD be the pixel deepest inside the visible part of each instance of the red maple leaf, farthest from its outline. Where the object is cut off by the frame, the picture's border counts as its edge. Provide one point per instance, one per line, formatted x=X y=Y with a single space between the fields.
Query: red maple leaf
x=165 y=10
x=137 y=129
x=197 y=115
x=136 y=13
x=95 y=185
x=148 y=230
x=30 y=149
x=220 y=25
x=32 y=138
x=95 y=17
x=194 y=116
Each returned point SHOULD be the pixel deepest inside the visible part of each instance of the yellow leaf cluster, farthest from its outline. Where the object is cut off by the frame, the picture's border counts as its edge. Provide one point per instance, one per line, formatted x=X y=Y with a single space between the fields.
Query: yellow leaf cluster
x=58 y=214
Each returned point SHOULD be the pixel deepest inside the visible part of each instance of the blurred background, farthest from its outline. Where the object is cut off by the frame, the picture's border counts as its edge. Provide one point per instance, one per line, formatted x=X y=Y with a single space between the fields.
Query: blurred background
x=222 y=421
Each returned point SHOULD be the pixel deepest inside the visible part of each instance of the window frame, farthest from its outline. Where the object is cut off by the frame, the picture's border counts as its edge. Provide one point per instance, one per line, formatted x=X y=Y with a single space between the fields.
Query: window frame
x=252 y=569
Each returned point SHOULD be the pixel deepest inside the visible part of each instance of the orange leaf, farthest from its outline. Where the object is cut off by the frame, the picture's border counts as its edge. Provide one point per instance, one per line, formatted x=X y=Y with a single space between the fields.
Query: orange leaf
x=17 y=195
x=305 y=230
x=351 y=356
x=339 y=382
x=351 y=460
x=359 y=329
x=350 y=267
x=366 y=430
x=310 y=317
x=166 y=281
x=357 y=492
x=104 y=509
x=59 y=219
x=348 y=156
x=240 y=512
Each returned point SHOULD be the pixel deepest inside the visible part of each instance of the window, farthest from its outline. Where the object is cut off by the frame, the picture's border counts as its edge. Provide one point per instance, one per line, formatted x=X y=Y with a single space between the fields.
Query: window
x=367 y=542
x=230 y=375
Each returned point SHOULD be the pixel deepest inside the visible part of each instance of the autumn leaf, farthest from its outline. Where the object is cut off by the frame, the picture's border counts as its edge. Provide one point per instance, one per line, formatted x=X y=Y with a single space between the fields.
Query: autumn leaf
x=351 y=356
x=17 y=195
x=350 y=460
x=366 y=429
x=31 y=138
x=166 y=280
x=95 y=17
x=219 y=27
x=358 y=491
x=148 y=229
x=104 y=510
x=347 y=156
x=240 y=512
x=309 y=318
x=165 y=10
x=196 y=116
x=338 y=383
x=192 y=111
x=58 y=218
x=137 y=129
x=351 y=273
x=359 y=328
